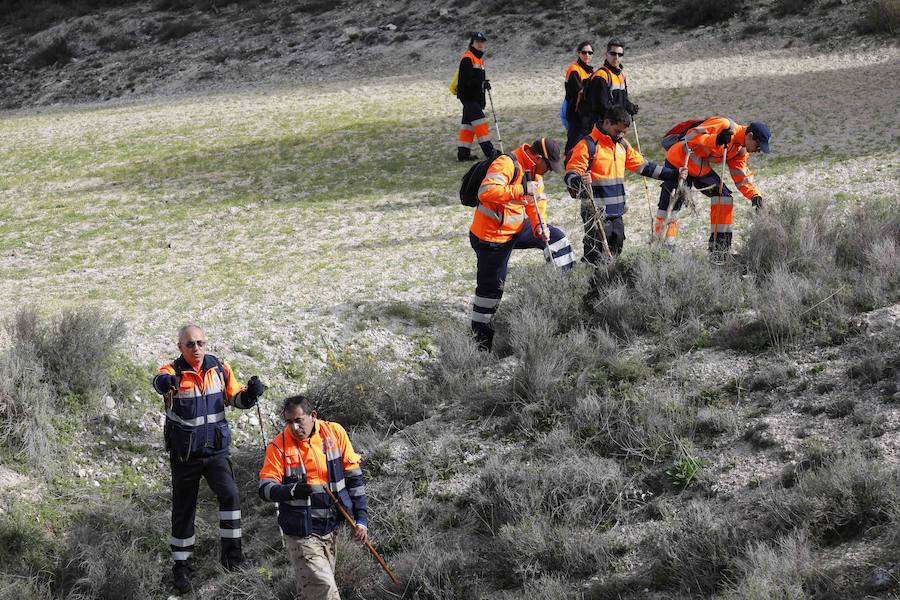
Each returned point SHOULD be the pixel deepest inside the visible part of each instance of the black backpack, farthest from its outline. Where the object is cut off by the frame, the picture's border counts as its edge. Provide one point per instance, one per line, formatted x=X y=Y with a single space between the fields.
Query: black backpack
x=471 y=181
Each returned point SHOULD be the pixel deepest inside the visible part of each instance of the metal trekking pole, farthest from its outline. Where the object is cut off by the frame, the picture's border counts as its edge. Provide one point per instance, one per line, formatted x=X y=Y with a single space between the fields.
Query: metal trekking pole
x=368 y=544
x=637 y=139
x=496 y=124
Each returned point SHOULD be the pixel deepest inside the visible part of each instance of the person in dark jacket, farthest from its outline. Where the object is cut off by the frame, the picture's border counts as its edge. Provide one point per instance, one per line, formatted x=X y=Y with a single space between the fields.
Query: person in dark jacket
x=196 y=388
x=608 y=87
x=470 y=90
x=577 y=75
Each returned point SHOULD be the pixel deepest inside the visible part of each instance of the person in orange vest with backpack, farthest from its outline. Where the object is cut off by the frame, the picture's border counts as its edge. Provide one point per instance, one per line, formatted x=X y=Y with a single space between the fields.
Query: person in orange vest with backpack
x=702 y=145
x=607 y=87
x=307 y=456
x=470 y=88
x=196 y=388
x=577 y=76
x=598 y=164
x=511 y=213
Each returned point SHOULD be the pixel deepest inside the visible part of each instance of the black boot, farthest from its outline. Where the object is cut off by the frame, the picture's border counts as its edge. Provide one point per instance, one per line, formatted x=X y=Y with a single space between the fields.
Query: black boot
x=181 y=576
x=232 y=559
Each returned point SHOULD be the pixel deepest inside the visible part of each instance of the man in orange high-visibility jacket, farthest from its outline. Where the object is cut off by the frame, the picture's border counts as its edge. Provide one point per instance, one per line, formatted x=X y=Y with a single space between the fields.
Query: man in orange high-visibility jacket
x=577 y=76
x=308 y=455
x=598 y=164
x=506 y=217
x=703 y=148
x=197 y=387
x=470 y=90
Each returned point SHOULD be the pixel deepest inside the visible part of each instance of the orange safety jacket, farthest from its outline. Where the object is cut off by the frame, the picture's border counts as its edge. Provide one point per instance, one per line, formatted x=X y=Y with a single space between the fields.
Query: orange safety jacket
x=502 y=203
x=470 y=86
x=610 y=159
x=326 y=458
x=195 y=422
x=703 y=155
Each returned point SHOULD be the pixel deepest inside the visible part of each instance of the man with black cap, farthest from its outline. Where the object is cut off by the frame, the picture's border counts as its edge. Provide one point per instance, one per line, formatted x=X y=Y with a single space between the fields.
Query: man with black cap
x=470 y=90
x=702 y=148
x=511 y=213
x=596 y=173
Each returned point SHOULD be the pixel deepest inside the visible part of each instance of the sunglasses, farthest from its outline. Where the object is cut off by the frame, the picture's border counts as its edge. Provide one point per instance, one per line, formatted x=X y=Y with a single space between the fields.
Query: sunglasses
x=585 y=51
x=192 y=343
x=616 y=53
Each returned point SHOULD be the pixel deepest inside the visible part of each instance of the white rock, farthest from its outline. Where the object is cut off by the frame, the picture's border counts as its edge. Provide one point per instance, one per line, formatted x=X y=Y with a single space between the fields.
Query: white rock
x=109 y=402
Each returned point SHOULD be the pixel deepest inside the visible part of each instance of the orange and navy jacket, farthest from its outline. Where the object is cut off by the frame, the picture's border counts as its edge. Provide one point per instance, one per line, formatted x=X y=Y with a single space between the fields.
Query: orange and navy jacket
x=606 y=88
x=325 y=458
x=502 y=203
x=577 y=76
x=470 y=85
x=699 y=147
x=610 y=159
x=195 y=423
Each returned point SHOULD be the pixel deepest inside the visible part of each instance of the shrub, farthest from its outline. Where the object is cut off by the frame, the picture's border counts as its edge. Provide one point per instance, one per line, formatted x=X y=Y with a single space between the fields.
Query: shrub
x=692 y=13
x=54 y=52
x=882 y=16
x=25 y=547
x=358 y=391
x=840 y=500
x=789 y=235
x=175 y=30
x=776 y=571
x=26 y=403
x=461 y=373
x=779 y=303
x=116 y=42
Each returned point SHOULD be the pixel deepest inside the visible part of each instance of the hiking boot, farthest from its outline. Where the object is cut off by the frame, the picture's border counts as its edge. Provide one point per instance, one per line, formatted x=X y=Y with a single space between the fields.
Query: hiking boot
x=181 y=576
x=232 y=559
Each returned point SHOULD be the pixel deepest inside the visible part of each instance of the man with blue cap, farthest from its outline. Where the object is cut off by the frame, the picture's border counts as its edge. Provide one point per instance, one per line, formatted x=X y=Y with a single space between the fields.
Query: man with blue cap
x=702 y=147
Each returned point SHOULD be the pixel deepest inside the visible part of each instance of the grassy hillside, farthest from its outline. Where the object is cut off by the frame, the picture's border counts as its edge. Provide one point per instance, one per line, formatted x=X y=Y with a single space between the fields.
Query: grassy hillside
x=664 y=429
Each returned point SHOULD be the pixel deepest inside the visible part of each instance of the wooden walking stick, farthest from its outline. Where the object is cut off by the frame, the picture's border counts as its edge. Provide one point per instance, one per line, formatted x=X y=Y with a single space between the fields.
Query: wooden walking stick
x=637 y=140
x=678 y=191
x=597 y=224
x=352 y=523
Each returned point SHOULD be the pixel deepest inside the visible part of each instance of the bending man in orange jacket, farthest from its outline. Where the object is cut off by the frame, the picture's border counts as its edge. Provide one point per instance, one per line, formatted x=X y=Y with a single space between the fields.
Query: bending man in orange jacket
x=703 y=147
x=506 y=217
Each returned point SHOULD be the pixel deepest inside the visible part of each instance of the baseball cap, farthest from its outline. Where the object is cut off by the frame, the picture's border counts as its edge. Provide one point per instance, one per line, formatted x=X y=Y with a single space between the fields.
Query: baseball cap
x=477 y=36
x=549 y=149
x=762 y=134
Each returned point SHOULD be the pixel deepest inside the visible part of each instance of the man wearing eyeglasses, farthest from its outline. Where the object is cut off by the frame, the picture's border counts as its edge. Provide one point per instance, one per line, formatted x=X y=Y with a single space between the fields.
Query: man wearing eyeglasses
x=608 y=87
x=308 y=455
x=577 y=76
x=196 y=388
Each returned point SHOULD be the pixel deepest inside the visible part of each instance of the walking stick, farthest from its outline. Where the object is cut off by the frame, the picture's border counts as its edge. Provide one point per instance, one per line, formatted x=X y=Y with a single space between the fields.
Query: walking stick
x=597 y=225
x=496 y=124
x=637 y=140
x=679 y=190
x=352 y=523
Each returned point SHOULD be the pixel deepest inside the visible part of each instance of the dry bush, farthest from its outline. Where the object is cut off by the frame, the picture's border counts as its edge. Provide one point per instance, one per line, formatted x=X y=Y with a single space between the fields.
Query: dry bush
x=26 y=409
x=463 y=374
x=882 y=16
x=700 y=550
x=54 y=52
x=692 y=13
x=26 y=548
x=775 y=571
x=33 y=587
x=839 y=501
x=357 y=391
x=790 y=234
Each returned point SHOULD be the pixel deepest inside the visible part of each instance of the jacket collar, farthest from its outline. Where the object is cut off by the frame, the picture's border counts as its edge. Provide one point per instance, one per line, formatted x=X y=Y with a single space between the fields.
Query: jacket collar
x=601 y=137
x=585 y=66
x=477 y=53
x=525 y=161
x=181 y=364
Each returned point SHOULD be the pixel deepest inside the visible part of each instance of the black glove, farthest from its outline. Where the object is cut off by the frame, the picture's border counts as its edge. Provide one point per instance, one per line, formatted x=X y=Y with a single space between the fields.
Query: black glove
x=634 y=109
x=255 y=389
x=165 y=383
x=757 y=203
x=301 y=491
x=486 y=86
x=724 y=137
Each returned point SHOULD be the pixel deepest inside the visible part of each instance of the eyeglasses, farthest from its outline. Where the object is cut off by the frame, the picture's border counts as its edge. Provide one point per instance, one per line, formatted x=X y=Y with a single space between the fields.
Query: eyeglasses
x=589 y=52
x=197 y=343
x=611 y=53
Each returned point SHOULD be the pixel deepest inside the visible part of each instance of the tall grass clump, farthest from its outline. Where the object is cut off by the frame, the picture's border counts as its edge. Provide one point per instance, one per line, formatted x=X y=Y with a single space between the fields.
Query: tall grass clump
x=461 y=373
x=840 y=500
x=26 y=408
x=358 y=390
x=775 y=571
x=882 y=16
